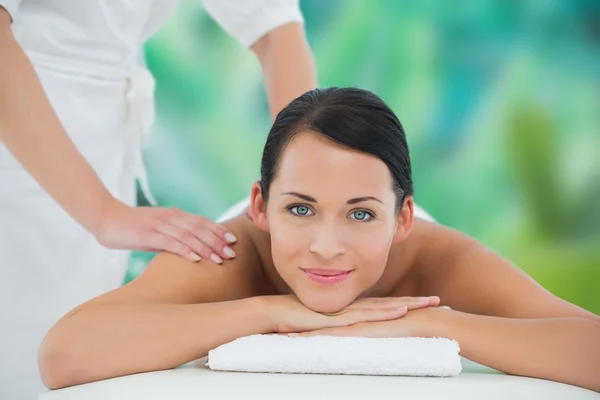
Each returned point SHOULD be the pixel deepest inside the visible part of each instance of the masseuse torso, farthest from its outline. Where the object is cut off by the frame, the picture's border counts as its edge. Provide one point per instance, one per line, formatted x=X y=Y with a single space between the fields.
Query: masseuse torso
x=85 y=56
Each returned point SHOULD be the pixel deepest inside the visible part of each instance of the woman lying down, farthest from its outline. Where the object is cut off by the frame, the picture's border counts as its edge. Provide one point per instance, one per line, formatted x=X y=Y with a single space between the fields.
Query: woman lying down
x=332 y=248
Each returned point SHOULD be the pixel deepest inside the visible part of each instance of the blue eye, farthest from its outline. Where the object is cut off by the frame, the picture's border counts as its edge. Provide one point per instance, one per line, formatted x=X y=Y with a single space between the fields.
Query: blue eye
x=361 y=215
x=301 y=211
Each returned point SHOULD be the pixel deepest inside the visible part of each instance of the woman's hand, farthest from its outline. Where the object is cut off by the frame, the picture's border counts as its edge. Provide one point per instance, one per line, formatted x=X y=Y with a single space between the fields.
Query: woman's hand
x=291 y=316
x=412 y=303
x=415 y=323
x=157 y=229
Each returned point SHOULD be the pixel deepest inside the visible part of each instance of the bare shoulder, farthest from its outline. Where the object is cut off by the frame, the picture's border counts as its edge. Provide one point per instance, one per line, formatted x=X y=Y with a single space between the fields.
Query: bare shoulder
x=470 y=277
x=5 y=21
x=169 y=278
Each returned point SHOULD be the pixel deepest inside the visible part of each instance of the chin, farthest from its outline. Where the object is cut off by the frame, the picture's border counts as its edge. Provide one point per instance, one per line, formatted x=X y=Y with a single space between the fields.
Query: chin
x=331 y=302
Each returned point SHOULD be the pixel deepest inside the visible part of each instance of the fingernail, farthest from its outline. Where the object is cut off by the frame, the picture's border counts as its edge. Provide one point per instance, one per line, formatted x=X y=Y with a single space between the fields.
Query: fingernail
x=194 y=256
x=403 y=308
x=423 y=299
x=229 y=252
x=216 y=259
x=230 y=237
x=293 y=334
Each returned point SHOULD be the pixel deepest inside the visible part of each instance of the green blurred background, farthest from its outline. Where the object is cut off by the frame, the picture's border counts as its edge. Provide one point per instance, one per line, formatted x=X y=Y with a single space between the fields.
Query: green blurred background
x=500 y=101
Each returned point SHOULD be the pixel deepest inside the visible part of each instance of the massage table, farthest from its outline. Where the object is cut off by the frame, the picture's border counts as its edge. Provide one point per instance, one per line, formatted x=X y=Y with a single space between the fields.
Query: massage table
x=196 y=381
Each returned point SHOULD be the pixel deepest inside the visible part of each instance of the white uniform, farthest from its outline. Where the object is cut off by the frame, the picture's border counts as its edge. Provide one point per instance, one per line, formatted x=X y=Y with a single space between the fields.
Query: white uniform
x=85 y=55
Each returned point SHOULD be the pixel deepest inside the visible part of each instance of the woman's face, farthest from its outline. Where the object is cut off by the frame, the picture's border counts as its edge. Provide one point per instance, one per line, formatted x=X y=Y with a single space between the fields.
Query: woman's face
x=332 y=219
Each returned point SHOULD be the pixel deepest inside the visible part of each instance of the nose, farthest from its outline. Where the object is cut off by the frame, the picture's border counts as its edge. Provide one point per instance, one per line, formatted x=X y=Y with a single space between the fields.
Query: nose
x=326 y=241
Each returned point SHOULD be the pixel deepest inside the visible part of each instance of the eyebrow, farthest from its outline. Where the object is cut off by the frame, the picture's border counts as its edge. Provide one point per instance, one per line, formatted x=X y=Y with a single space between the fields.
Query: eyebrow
x=361 y=199
x=313 y=200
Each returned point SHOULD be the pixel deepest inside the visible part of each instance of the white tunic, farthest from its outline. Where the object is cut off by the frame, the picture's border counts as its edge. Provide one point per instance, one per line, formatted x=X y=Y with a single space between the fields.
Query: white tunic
x=85 y=53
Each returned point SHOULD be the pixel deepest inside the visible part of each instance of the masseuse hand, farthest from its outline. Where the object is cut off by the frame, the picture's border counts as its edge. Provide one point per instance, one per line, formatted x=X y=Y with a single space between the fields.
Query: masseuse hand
x=291 y=316
x=157 y=229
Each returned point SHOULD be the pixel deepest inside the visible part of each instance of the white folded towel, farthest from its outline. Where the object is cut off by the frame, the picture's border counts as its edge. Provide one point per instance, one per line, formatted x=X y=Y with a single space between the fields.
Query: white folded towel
x=338 y=355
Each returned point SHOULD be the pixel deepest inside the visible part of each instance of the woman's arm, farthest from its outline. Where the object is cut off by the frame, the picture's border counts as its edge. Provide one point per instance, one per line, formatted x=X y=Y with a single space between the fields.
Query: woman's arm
x=104 y=341
x=564 y=350
x=502 y=317
x=155 y=322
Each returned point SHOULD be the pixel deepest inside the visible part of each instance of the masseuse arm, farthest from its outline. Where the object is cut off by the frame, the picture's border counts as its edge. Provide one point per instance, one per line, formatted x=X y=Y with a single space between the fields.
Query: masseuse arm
x=287 y=63
x=30 y=129
x=32 y=132
x=155 y=321
x=501 y=317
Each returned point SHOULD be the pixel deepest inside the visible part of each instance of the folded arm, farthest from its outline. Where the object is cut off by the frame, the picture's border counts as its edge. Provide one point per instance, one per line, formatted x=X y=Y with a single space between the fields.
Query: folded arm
x=502 y=318
x=173 y=313
x=564 y=350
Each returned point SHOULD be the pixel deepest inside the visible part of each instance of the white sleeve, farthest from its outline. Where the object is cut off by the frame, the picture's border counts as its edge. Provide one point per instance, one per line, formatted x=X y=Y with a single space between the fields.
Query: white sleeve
x=249 y=20
x=11 y=6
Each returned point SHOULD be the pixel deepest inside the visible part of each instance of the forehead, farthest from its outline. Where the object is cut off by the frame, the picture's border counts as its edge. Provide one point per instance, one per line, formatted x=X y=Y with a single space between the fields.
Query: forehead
x=314 y=163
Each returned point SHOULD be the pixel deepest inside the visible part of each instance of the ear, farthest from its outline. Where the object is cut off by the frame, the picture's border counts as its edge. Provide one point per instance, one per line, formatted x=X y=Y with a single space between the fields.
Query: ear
x=405 y=219
x=258 y=208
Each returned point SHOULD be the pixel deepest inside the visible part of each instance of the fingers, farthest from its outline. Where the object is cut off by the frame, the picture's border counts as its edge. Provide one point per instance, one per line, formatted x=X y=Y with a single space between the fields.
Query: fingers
x=381 y=309
x=158 y=242
x=198 y=222
x=162 y=229
x=412 y=303
x=191 y=247
x=209 y=239
x=434 y=301
x=367 y=315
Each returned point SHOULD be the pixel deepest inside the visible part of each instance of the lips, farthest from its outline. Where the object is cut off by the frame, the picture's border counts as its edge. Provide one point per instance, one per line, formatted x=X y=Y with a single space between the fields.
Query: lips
x=327 y=276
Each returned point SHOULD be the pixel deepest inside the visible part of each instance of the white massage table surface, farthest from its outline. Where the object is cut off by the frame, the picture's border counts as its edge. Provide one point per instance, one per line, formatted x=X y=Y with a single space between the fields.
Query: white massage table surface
x=199 y=382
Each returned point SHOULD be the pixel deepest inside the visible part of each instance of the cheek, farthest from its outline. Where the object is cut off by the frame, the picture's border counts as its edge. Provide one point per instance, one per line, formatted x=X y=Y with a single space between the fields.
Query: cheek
x=372 y=252
x=287 y=242
x=371 y=244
